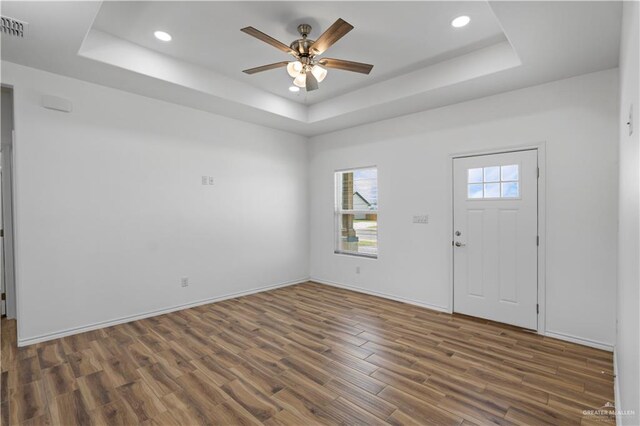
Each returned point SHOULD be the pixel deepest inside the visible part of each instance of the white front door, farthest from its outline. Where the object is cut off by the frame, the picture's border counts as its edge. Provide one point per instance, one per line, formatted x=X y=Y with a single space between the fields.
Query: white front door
x=495 y=245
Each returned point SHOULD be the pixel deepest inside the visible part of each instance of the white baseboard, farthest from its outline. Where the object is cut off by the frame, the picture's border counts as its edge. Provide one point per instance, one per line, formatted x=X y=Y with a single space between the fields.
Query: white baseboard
x=579 y=340
x=121 y=320
x=380 y=294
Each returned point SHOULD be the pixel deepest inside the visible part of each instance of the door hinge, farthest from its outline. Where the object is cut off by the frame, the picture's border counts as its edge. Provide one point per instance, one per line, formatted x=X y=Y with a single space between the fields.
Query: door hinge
x=538 y=172
x=537 y=308
x=538 y=240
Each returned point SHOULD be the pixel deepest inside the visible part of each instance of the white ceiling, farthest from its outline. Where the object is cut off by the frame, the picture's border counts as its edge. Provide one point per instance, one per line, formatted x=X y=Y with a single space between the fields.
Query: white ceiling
x=395 y=37
x=420 y=61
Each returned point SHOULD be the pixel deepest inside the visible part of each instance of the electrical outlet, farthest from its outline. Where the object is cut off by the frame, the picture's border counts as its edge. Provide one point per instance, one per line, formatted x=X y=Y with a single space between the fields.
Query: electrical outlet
x=210 y=180
x=421 y=219
x=184 y=281
x=357 y=269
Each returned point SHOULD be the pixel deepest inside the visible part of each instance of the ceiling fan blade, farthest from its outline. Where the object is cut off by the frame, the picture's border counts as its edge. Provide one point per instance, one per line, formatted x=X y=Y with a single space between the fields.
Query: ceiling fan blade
x=341 y=64
x=334 y=33
x=266 y=67
x=312 y=82
x=269 y=40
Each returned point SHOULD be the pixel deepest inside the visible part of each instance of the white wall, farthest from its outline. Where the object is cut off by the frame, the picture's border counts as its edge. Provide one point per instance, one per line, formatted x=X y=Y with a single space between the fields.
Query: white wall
x=627 y=347
x=110 y=210
x=146 y=220
x=577 y=120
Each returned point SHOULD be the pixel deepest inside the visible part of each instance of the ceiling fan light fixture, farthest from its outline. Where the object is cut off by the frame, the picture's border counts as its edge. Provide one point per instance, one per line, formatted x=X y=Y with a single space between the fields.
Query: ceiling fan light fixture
x=319 y=72
x=294 y=68
x=294 y=89
x=300 y=80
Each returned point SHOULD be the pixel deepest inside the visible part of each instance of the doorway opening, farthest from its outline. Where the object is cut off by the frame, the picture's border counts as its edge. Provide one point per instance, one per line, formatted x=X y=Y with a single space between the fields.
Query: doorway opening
x=7 y=263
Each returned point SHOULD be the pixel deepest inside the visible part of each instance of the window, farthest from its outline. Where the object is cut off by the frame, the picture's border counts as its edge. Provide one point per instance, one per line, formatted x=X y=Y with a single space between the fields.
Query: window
x=356 y=212
x=493 y=182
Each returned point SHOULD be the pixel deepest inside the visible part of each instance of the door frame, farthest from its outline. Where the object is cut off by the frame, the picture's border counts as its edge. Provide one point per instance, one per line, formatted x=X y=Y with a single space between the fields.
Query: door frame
x=542 y=196
x=8 y=205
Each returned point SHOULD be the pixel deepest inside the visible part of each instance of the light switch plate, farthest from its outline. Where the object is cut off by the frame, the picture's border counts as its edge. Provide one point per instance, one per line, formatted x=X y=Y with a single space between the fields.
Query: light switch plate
x=205 y=180
x=421 y=219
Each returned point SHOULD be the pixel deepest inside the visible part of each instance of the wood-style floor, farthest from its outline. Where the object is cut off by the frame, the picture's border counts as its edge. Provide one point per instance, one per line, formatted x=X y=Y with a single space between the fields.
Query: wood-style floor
x=302 y=355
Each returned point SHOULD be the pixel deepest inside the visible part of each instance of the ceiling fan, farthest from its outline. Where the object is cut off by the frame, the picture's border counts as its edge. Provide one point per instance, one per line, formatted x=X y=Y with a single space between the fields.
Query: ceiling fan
x=308 y=70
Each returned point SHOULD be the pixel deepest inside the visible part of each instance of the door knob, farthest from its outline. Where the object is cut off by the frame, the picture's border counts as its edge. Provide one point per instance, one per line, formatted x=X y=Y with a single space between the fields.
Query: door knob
x=458 y=233
x=459 y=244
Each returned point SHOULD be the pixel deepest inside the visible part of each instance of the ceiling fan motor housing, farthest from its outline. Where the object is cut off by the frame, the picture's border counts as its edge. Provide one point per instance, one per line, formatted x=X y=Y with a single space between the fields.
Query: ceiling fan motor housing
x=303 y=45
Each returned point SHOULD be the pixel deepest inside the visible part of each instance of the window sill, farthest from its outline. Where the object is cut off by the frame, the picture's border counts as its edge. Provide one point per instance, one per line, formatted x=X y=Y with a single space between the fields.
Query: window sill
x=348 y=253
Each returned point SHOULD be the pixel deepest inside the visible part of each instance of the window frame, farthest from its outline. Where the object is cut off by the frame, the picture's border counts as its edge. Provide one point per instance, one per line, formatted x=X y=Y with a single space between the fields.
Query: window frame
x=338 y=212
x=499 y=182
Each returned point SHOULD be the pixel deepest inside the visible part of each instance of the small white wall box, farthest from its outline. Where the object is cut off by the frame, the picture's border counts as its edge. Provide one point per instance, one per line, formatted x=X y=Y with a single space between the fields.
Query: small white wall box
x=421 y=219
x=56 y=103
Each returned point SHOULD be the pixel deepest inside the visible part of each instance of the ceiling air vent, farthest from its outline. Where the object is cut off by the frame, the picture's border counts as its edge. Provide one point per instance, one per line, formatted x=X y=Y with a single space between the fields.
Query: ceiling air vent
x=12 y=26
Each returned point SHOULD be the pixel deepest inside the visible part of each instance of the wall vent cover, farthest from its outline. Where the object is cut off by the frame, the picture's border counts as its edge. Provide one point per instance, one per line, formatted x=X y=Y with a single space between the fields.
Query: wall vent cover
x=13 y=27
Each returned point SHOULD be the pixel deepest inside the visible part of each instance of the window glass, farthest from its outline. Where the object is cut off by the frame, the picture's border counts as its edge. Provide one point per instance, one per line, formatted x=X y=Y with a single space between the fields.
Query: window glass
x=491 y=190
x=509 y=173
x=475 y=190
x=493 y=182
x=492 y=174
x=510 y=190
x=475 y=176
x=358 y=234
x=356 y=212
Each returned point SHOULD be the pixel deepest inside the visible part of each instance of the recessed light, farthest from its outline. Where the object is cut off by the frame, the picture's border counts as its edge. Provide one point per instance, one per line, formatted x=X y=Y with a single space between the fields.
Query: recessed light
x=294 y=89
x=162 y=36
x=460 y=21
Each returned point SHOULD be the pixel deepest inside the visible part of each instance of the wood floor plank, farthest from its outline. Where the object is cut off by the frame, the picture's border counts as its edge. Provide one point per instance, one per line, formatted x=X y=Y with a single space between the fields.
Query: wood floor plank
x=28 y=370
x=307 y=354
x=411 y=387
x=84 y=362
x=51 y=355
x=141 y=400
x=70 y=409
x=158 y=379
x=351 y=414
x=97 y=389
x=373 y=404
x=58 y=380
x=26 y=402
x=285 y=417
x=184 y=411
x=419 y=408
x=120 y=370
x=114 y=413
x=232 y=413
x=304 y=407
x=259 y=405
